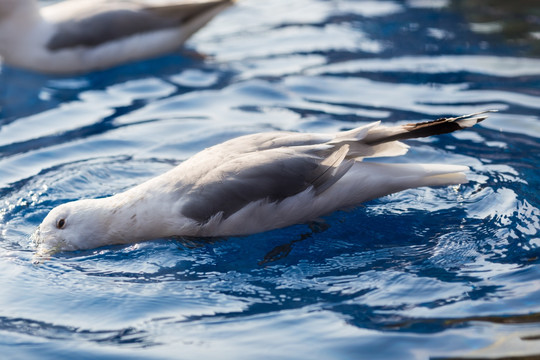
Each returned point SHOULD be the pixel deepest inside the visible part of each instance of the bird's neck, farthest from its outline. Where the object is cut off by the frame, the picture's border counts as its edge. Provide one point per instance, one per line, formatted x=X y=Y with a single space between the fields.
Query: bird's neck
x=137 y=217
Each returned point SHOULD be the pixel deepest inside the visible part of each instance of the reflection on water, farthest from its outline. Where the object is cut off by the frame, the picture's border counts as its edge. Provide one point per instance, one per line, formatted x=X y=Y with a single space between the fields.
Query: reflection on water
x=427 y=273
x=517 y=21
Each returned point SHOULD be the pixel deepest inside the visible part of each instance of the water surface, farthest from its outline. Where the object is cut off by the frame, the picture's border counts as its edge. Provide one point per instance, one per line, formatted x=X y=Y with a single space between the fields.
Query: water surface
x=425 y=273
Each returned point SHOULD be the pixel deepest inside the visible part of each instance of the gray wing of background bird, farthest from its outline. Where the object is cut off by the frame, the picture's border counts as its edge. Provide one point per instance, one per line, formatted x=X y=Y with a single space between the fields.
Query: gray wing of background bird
x=106 y=22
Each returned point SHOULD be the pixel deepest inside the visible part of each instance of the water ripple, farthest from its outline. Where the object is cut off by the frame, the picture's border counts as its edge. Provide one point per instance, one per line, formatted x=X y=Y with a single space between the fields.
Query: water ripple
x=425 y=273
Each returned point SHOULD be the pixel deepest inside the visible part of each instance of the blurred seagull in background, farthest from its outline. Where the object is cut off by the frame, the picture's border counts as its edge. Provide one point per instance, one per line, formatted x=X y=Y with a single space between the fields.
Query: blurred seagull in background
x=83 y=35
x=254 y=183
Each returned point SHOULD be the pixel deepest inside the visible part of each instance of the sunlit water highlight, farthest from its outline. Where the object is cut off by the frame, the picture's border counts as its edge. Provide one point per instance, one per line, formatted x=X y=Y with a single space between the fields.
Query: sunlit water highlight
x=443 y=272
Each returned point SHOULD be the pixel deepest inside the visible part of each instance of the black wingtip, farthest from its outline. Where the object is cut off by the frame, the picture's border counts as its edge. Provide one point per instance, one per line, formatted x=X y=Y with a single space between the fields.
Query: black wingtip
x=474 y=116
x=434 y=127
x=440 y=121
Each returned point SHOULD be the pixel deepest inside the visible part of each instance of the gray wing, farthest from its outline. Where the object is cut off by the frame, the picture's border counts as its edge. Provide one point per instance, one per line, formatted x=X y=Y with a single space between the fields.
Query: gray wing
x=99 y=27
x=207 y=161
x=273 y=175
x=258 y=142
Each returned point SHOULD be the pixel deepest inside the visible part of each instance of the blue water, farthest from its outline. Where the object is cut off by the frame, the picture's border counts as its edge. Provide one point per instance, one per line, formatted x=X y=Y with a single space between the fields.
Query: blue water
x=425 y=273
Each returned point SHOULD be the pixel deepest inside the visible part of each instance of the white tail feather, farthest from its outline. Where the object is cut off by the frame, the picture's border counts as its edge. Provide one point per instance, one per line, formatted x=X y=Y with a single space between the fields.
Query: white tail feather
x=370 y=180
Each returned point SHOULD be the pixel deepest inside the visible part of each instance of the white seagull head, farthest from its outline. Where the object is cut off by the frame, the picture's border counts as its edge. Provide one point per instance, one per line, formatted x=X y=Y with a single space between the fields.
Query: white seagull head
x=72 y=226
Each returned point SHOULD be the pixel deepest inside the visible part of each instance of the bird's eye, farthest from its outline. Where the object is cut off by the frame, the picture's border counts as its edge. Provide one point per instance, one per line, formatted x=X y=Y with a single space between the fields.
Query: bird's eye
x=61 y=223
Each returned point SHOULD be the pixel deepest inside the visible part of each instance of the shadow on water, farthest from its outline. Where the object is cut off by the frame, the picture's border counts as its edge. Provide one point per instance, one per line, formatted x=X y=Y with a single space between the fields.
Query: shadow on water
x=518 y=21
x=39 y=329
x=282 y=251
x=23 y=92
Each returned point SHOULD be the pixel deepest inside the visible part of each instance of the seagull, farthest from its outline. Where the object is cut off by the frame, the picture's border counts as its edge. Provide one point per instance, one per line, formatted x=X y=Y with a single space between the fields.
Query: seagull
x=254 y=183
x=78 y=36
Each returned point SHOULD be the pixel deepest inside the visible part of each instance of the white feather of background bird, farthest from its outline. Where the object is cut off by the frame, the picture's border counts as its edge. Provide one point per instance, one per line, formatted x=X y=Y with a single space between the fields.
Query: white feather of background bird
x=83 y=35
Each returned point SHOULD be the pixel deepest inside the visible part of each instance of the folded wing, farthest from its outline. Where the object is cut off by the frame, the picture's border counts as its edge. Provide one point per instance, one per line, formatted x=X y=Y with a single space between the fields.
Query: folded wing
x=92 y=26
x=273 y=175
x=278 y=166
